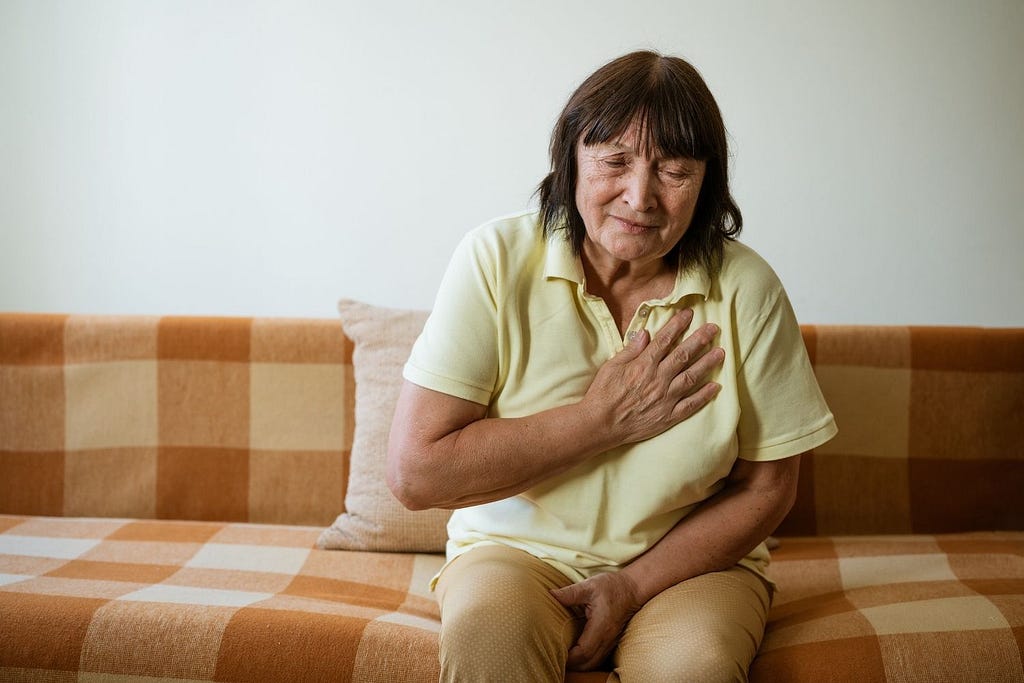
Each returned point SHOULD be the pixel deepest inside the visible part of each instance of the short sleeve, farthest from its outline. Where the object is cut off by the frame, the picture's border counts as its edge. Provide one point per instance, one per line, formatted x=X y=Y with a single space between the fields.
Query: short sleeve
x=457 y=352
x=783 y=412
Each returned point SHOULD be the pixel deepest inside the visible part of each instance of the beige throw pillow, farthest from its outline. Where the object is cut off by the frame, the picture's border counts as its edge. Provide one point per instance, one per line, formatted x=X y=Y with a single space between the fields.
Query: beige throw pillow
x=373 y=518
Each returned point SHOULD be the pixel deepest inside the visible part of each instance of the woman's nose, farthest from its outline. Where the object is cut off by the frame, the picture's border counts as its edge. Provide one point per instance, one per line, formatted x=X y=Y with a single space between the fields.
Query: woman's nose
x=639 y=192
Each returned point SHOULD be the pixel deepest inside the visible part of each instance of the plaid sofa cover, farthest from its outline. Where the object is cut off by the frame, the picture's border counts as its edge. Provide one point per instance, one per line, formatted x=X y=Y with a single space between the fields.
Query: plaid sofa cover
x=163 y=482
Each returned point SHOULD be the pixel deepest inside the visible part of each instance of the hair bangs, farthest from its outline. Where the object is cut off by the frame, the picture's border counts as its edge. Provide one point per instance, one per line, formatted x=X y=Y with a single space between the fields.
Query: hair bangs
x=668 y=122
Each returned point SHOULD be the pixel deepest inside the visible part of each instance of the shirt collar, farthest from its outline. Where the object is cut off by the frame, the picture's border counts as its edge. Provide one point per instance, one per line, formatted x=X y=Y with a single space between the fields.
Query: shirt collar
x=560 y=262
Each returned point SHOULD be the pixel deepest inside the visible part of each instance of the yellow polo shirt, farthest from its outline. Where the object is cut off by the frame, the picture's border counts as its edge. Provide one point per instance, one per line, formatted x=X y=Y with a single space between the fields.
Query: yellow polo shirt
x=513 y=328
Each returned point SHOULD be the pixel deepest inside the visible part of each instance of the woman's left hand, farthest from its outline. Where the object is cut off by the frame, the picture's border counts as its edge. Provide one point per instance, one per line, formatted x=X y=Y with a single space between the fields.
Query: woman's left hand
x=608 y=601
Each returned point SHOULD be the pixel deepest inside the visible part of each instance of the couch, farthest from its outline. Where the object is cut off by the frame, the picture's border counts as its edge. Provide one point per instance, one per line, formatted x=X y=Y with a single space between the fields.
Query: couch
x=202 y=499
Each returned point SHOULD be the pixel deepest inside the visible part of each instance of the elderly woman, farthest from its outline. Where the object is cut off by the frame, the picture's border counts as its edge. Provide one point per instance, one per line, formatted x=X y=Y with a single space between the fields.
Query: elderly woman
x=612 y=394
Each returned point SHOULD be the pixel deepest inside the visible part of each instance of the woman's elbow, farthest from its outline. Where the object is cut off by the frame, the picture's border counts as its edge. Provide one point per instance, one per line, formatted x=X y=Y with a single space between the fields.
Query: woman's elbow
x=403 y=483
x=784 y=489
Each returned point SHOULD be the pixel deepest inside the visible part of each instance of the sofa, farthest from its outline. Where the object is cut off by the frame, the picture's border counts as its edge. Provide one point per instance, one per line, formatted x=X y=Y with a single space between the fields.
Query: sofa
x=203 y=499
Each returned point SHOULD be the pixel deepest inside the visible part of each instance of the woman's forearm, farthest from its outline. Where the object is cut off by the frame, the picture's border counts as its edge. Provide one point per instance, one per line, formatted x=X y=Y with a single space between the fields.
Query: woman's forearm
x=722 y=531
x=491 y=458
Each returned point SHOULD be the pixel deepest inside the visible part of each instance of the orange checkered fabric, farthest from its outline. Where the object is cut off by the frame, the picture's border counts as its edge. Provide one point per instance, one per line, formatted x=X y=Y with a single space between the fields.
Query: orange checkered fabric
x=207 y=601
x=229 y=602
x=896 y=608
x=226 y=419
x=163 y=482
x=931 y=432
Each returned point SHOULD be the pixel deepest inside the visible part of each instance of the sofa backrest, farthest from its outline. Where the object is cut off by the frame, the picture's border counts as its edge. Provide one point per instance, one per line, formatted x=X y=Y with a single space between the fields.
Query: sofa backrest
x=931 y=431
x=251 y=419
x=227 y=419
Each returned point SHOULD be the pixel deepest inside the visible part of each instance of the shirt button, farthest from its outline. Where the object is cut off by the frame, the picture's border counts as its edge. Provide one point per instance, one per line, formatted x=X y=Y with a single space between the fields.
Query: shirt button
x=644 y=310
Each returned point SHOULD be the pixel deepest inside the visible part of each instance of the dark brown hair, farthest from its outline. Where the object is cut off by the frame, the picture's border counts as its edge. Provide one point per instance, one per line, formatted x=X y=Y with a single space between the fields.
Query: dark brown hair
x=677 y=116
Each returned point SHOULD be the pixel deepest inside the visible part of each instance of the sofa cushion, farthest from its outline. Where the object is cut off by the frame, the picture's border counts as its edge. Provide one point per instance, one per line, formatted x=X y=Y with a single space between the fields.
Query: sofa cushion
x=220 y=601
x=208 y=601
x=373 y=519
x=896 y=608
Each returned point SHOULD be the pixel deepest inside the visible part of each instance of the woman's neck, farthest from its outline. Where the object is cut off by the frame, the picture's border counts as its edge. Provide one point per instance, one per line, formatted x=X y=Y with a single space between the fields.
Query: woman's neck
x=624 y=285
x=606 y=274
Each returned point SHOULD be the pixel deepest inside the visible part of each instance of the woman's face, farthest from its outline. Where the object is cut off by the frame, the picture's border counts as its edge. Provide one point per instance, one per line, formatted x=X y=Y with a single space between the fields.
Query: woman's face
x=635 y=207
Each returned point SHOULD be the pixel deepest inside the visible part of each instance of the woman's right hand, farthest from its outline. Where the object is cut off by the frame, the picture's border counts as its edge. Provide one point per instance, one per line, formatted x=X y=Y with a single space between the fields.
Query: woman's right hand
x=655 y=383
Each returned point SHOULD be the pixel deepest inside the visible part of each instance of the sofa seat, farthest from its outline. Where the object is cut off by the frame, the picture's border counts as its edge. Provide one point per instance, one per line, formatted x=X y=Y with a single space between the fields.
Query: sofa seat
x=207 y=601
x=93 y=598
x=926 y=608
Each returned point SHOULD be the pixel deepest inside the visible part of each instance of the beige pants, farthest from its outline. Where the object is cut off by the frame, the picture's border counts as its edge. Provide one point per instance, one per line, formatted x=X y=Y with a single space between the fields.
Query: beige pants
x=498 y=623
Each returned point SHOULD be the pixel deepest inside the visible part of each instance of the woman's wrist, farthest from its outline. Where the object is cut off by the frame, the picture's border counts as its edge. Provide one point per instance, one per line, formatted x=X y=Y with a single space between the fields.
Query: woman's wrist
x=645 y=582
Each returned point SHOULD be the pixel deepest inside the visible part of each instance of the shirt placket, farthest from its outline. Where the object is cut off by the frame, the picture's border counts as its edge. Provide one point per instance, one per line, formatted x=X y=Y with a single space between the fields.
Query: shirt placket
x=607 y=322
x=639 y=322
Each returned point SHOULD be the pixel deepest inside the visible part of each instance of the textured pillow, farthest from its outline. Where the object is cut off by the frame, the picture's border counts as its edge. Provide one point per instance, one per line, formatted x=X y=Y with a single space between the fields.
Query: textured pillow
x=373 y=518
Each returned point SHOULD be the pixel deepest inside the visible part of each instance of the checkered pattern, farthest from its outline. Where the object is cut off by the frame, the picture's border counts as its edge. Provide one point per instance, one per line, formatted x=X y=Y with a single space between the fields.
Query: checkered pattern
x=229 y=602
x=225 y=419
x=931 y=432
x=134 y=422
x=914 y=608
x=208 y=601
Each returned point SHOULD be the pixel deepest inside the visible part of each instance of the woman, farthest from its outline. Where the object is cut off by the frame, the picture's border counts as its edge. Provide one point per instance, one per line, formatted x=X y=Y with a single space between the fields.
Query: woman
x=613 y=477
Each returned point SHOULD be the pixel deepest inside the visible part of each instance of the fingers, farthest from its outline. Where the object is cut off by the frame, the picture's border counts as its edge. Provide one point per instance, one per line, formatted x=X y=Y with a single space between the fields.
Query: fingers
x=689 y=405
x=568 y=596
x=596 y=641
x=687 y=376
x=608 y=603
x=683 y=362
x=584 y=654
x=669 y=344
x=590 y=650
x=686 y=352
x=637 y=343
x=686 y=367
x=665 y=341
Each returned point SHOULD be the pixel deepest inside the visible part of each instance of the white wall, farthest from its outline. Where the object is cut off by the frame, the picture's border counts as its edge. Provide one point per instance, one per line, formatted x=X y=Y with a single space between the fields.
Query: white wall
x=266 y=158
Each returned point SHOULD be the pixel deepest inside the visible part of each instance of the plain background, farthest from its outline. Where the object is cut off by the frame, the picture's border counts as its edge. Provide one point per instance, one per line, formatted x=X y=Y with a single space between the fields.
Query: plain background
x=266 y=158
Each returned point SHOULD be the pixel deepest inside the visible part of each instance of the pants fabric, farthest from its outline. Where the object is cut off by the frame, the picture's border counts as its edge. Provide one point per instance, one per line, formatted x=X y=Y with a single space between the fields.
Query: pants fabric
x=499 y=623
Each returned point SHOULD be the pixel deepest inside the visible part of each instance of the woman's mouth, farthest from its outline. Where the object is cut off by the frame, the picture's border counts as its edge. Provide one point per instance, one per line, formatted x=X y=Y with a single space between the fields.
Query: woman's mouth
x=634 y=228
